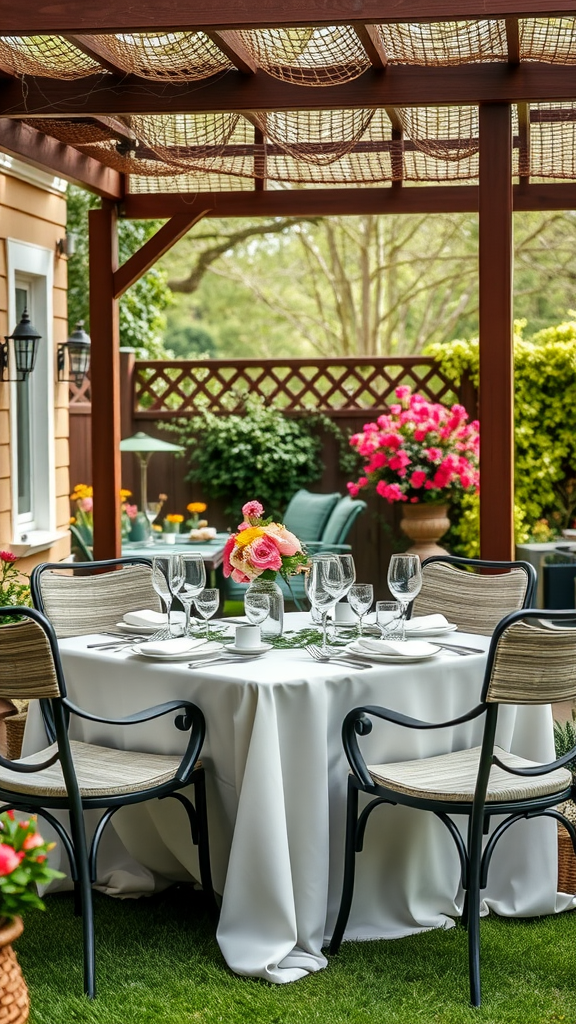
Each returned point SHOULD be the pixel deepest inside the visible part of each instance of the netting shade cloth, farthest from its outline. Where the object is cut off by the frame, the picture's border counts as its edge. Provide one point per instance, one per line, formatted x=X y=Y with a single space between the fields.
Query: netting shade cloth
x=45 y=56
x=308 y=56
x=169 y=56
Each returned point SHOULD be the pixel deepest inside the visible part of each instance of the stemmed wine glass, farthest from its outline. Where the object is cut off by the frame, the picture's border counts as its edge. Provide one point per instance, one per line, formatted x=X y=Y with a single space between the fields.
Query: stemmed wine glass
x=360 y=597
x=256 y=607
x=207 y=603
x=315 y=614
x=151 y=511
x=348 y=573
x=325 y=587
x=404 y=582
x=164 y=578
x=189 y=570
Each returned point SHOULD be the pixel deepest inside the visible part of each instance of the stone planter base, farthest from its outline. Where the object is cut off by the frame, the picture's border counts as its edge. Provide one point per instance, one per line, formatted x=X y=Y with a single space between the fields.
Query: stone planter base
x=425 y=524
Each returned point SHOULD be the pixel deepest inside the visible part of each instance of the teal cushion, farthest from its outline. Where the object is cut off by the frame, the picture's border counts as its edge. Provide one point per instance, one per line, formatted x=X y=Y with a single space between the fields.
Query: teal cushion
x=341 y=518
x=307 y=514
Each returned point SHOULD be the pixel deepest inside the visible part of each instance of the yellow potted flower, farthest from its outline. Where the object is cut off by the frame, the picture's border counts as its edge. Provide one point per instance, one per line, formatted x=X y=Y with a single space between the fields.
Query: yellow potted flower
x=171 y=527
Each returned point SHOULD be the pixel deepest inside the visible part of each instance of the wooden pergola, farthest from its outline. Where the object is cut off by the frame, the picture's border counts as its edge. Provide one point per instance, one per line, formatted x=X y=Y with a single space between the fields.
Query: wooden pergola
x=301 y=108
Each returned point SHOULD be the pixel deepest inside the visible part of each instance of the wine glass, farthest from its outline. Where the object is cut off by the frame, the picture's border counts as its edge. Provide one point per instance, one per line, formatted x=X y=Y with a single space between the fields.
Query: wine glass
x=315 y=614
x=151 y=511
x=191 y=574
x=324 y=588
x=348 y=573
x=256 y=607
x=163 y=578
x=360 y=597
x=207 y=602
x=404 y=582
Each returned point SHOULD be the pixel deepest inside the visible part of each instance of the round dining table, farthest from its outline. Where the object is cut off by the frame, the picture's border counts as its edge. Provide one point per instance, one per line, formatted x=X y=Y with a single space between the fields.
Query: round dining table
x=276 y=788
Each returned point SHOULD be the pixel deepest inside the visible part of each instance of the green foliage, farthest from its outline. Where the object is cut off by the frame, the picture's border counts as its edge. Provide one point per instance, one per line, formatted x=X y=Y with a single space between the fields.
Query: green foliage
x=261 y=454
x=13 y=590
x=545 y=427
x=23 y=865
x=565 y=740
x=142 y=316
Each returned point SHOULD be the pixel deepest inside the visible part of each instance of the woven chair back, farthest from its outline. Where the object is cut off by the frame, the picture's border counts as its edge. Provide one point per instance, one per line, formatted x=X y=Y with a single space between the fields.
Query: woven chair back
x=90 y=604
x=475 y=602
x=26 y=663
x=533 y=664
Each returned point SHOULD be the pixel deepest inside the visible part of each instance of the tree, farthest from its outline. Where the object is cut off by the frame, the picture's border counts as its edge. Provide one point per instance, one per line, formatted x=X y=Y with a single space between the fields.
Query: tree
x=142 y=307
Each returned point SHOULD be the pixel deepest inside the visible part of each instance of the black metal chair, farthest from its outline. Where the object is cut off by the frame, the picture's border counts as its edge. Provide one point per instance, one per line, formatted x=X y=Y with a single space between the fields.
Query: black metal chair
x=466 y=593
x=75 y=776
x=531 y=660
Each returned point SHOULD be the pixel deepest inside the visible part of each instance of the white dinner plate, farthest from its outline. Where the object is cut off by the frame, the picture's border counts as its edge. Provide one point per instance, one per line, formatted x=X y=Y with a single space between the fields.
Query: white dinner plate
x=178 y=619
x=207 y=651
x=436 y=631
x=249 y=651
x=395 y=659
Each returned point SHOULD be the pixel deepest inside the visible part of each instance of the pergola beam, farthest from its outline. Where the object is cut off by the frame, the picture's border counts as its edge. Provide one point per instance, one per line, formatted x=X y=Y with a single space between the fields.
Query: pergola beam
x=96 y=16
x=97 y=51
x=152 y=250
x=373 y=46
x=400 y=86
x=343 y=201
x=231 y=44
x=42 y=151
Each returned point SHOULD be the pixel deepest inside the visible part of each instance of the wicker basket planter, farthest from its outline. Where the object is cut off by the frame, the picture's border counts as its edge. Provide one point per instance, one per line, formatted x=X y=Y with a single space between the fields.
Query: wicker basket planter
x=14 y=1001
x=566 y=856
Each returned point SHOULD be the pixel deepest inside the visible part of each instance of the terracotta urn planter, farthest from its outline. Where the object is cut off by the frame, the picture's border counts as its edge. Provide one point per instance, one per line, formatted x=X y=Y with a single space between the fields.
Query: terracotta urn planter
x=425 y=525
x=14 y=1001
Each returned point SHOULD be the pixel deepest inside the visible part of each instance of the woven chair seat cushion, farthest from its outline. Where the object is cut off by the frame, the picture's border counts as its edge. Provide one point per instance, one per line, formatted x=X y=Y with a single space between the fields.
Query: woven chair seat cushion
x=453 y=777
x=101 y=771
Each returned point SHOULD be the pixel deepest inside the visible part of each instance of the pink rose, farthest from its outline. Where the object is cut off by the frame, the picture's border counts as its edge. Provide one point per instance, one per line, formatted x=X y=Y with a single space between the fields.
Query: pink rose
x=228 y=547
x=264 y=554
x=418 y=478
x=252 y=510
x=353 y=490
x=240 y=577
x=285 y=541
x=85 y=504
x=9 y=859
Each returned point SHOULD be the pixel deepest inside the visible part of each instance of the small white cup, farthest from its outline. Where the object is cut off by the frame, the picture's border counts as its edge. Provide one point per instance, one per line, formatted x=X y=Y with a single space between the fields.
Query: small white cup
x=344 y=614
x=248 y=637
x=170 y=538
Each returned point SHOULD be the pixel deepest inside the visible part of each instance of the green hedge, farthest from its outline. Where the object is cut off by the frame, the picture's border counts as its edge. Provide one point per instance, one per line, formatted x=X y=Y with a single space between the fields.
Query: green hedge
x=545 y=431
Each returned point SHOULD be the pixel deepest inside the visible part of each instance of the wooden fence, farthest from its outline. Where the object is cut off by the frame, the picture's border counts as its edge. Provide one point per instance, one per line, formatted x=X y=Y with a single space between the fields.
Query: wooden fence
x=348 y=390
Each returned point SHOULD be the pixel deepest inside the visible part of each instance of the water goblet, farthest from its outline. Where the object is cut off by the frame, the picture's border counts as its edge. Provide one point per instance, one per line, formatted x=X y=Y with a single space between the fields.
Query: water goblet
x=315 y=614
x=256 y=607
x=191 y=574
x=325 y=587
x=162 y=579
x=388 y=619
x=360 y=597
x=348 y=573
x=151 y=511
x=404 y=582
x=207 y=603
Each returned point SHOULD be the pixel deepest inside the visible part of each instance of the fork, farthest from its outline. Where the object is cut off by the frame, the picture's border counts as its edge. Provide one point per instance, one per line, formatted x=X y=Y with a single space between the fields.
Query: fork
x=318 y=655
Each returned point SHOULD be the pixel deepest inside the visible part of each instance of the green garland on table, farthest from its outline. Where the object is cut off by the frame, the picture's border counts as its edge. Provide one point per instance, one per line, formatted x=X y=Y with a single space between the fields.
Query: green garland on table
x=292 y=639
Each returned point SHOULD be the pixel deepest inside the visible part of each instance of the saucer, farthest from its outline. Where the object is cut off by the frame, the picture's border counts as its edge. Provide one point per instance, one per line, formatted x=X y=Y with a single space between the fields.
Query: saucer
x=261 y=649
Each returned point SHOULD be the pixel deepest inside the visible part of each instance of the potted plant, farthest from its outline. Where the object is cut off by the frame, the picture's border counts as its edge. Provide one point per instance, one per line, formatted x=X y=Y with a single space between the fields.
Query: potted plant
x=421 y=453
x=565 y=740
x=23 y=867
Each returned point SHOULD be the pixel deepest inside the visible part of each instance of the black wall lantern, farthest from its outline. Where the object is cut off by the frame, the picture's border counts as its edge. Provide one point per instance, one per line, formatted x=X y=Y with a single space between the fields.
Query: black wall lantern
x=78 y=348
x=24 y=340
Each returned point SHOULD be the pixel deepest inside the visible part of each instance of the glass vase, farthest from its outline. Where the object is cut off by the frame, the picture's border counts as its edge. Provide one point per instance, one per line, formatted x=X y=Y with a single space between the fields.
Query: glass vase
x=274 y=624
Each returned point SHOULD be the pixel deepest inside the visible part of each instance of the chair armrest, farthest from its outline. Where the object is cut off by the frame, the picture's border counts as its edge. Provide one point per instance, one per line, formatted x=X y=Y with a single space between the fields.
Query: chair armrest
x=357 y=723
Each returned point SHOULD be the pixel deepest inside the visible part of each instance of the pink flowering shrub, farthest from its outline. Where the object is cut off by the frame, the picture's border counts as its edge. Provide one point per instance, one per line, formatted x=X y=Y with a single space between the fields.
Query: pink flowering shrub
x=261 y=548
x=419 y=451
x=23 y=865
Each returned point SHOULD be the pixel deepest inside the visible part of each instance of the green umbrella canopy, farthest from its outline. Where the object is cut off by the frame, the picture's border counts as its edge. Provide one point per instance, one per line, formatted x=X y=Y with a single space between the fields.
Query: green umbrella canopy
x=144 y=447
x=142 y=442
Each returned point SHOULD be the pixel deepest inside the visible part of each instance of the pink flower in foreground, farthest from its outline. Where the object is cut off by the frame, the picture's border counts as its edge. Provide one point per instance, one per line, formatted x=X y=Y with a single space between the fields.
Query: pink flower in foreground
x=7 y=556
x=252 y=510
x=264 y=554
x=285 y=541
x=240 y=577
x=228 y=547
x=32 y=841
x=9 y=859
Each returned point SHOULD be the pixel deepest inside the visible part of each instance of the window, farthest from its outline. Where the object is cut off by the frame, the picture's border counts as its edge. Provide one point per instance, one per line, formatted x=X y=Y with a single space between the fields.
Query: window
x=30 y=282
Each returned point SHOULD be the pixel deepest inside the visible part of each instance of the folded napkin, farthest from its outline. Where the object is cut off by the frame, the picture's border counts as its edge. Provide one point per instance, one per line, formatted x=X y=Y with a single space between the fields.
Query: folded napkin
x=406 y=648
x=147 y=617
x=177 y=645
x=424 y=622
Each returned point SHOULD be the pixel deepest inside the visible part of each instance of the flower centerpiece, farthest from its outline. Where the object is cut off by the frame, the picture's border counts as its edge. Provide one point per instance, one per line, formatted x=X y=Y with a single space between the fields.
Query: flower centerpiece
x=23 y=867
x=172 y=522
x=258 y=551
x=420 y=453
x=199 y=529
x=14 y=588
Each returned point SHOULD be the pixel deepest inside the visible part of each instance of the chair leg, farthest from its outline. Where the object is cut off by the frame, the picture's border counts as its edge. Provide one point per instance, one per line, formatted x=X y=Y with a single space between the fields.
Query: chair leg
x=349 y=868
x=473 y=902
x=83 y=890
x=203 y=840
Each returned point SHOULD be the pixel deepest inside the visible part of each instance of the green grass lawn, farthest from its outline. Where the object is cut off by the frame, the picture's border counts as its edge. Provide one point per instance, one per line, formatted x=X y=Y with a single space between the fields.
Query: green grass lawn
x=157 y=961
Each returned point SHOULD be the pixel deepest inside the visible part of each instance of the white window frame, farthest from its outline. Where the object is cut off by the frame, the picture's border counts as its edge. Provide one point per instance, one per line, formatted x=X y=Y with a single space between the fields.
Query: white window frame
x=32 y=267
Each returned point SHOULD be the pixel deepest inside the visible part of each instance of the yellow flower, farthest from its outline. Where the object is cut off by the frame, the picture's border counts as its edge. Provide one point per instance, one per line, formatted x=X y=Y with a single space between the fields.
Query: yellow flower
x=172 y=518
x=72 y=520
x=81 y=491
x=157 y=527
x=247 y=536
x=196 y=506
x=125 y=494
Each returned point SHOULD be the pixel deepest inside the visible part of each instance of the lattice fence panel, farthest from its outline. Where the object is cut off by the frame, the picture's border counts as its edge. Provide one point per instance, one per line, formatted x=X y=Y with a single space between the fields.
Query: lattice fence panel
x=337 y=387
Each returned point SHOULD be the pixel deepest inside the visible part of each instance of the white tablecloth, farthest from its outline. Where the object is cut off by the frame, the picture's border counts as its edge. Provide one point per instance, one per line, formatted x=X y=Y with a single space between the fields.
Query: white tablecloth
x=276 y=778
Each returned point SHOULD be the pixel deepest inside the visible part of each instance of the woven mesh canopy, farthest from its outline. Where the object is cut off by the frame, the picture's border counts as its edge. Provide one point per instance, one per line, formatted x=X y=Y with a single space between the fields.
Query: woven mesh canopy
x=335 y=146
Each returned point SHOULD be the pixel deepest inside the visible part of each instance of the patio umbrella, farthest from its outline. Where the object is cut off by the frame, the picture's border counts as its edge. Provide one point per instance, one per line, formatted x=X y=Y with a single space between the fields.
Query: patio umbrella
x=144 y=447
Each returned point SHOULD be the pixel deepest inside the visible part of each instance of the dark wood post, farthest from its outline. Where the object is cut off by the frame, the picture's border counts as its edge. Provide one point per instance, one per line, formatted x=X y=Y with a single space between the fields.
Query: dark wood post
x=496 y=392
x=105 y=382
